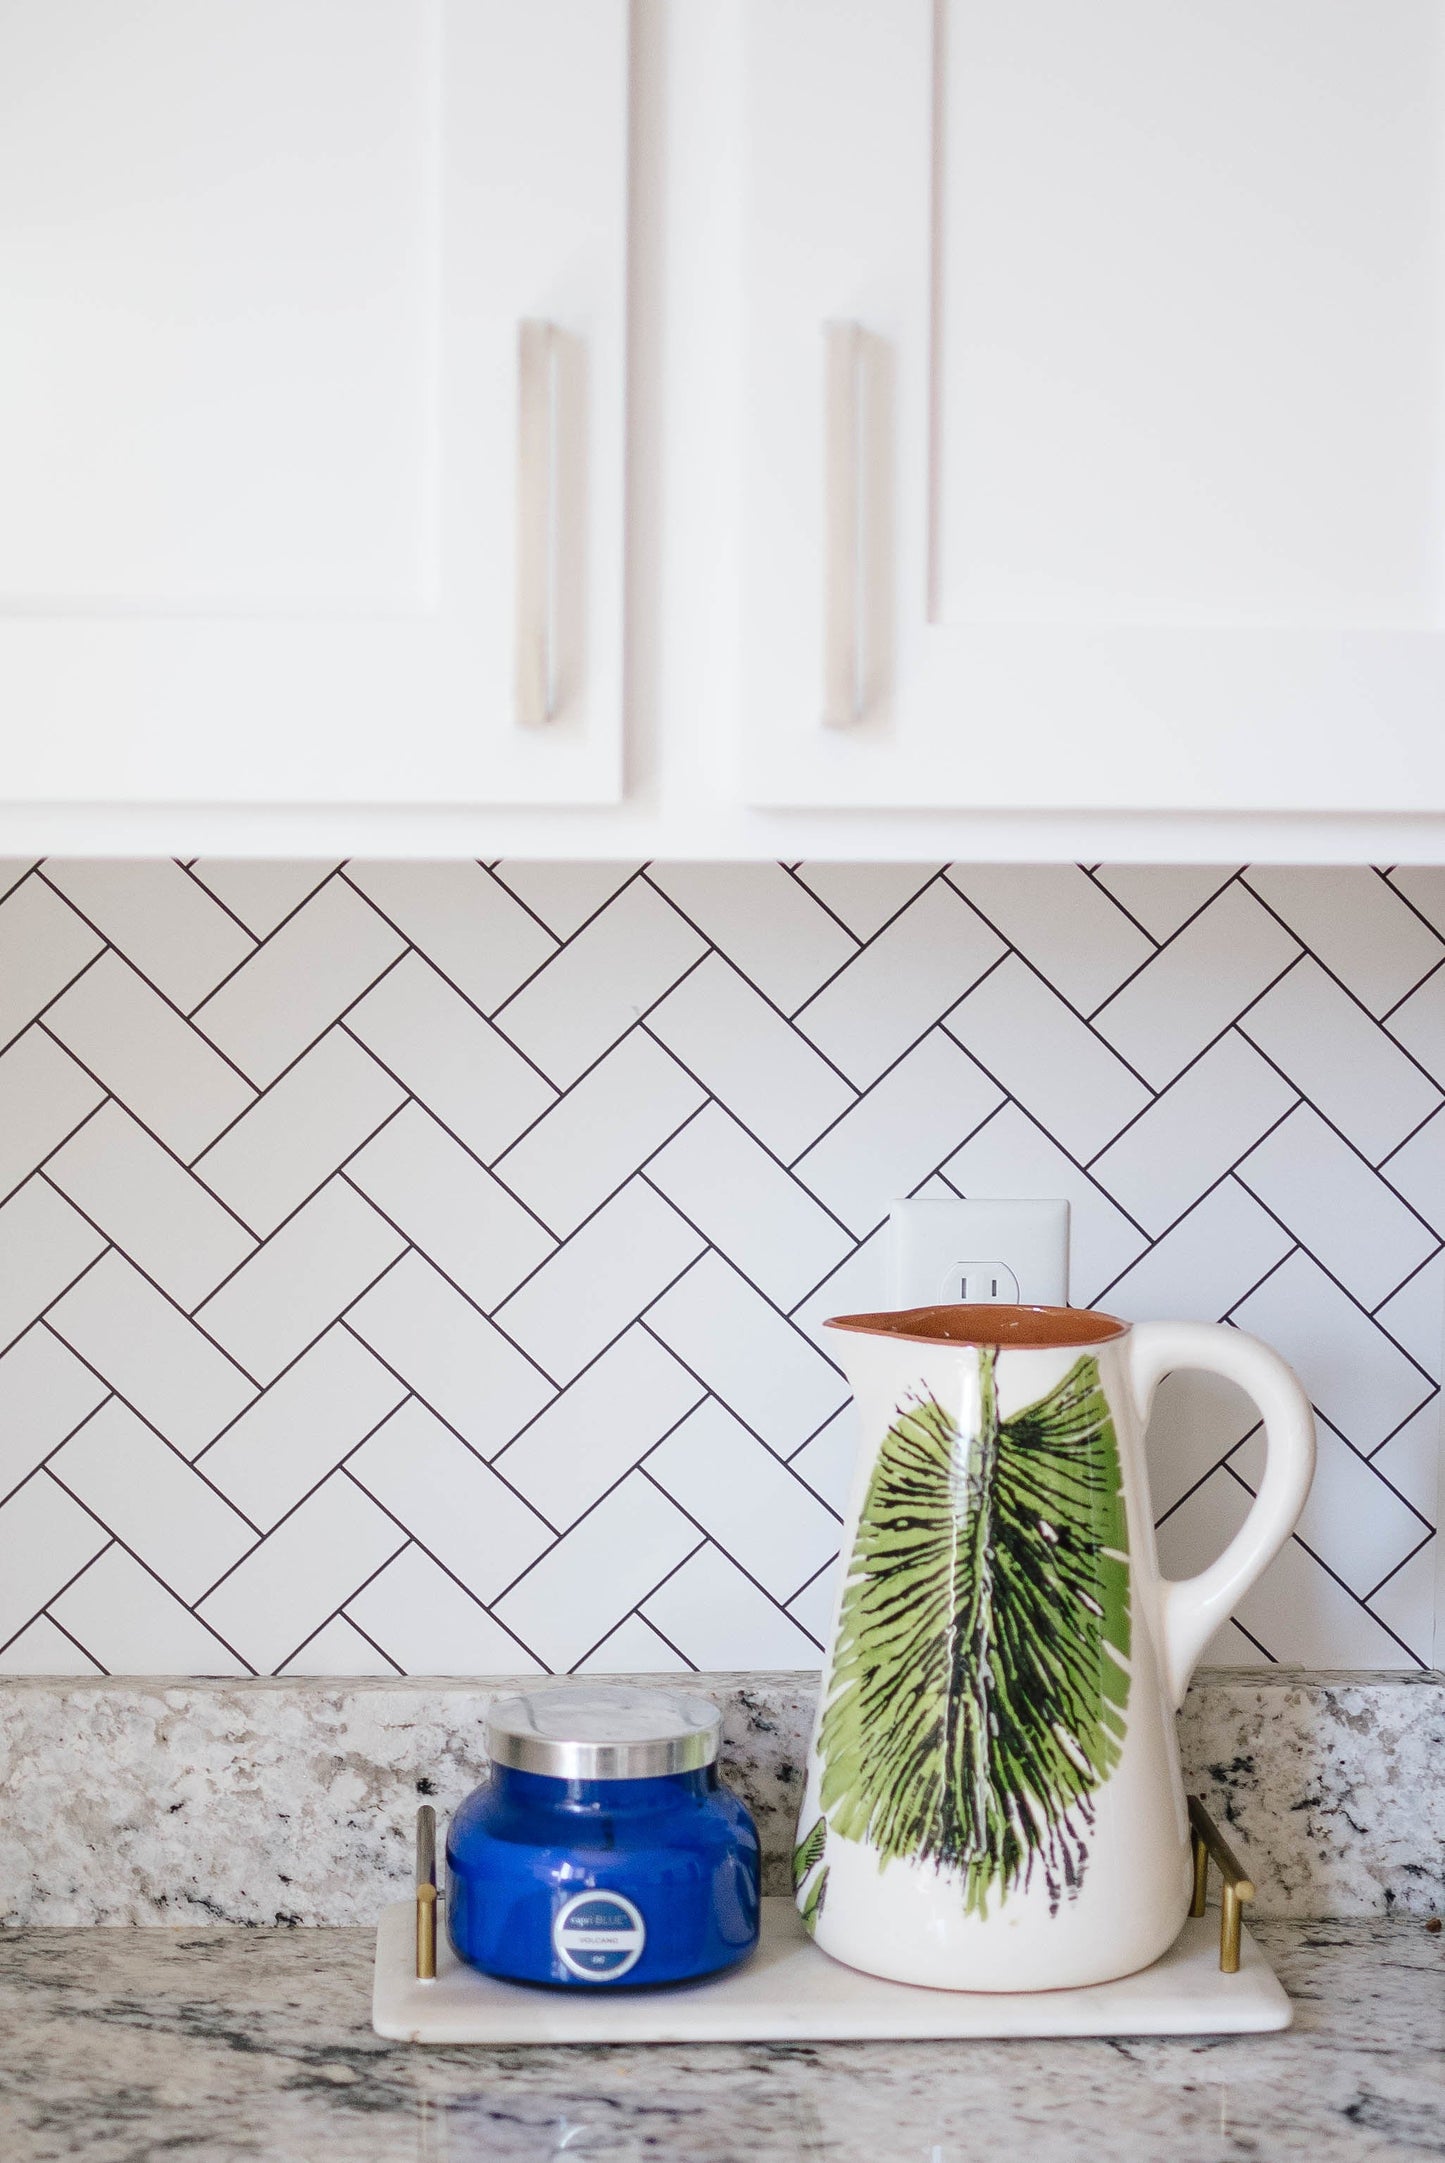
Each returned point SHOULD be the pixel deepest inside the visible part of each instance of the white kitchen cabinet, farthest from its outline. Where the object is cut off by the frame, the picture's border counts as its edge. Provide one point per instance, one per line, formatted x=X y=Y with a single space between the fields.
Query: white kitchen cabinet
x=312 y=386
x=1021 y=427
x=1093 y=437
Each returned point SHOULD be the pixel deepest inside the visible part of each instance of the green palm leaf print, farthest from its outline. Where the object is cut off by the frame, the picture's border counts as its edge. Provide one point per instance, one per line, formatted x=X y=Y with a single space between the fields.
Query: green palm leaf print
x=806 y=1857
x=979 y=1682
x=809 y=1853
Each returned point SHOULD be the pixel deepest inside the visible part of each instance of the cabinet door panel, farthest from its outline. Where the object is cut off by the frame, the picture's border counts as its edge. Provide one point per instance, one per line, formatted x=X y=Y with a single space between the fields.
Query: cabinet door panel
x=1161 y=287
x=266 y=270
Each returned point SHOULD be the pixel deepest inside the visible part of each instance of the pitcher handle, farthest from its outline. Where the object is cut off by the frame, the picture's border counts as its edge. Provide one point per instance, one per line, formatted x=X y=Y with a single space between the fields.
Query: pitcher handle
x=1192 y=1608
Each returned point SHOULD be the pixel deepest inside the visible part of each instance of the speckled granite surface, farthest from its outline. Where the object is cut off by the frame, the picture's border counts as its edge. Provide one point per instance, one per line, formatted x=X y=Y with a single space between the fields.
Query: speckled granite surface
x=293 y=1801
x=1334 y=1785
x=229 y=2045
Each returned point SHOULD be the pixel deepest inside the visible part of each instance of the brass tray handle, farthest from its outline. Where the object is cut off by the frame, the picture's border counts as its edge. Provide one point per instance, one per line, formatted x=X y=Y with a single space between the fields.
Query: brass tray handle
x=426 y=1894
x=1236 y=1886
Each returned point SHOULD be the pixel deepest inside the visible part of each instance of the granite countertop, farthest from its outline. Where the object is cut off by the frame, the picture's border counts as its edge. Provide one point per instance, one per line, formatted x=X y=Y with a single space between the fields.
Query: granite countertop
x=125 y=2044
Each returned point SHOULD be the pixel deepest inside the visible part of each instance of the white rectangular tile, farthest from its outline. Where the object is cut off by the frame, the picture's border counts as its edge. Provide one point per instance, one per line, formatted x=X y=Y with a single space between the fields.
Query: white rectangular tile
x=1195 y=1422
x=303 y=1276
x=1161 y=897
x=13 y=869
x=161 y=1068
x=258 y=891
x=1407 y=1604
x=1336 y=1056
x=1423 y=886
x=463 y=1220
x=1411 y=1460
x=905 y=1126
x=763 y=1368
x=293 y=1137
x=295 y=985
x=44 y=1096
x=1012 y=1158
x=149 y=1206
x=338 y=1648
x=752 y=1211
x=461 y=1068
x=1360 y=1382
x=865 y=896
x=43 y=1649
x=1355 y=923
x=768 y=925
x=1419 y=1024
x=1196 y=985
x=46 y=1538
x=1296 y=1611
x=1193 y=1133
x=44 y=1392
x=709 y=1605
x=748 y=1503
x=1229 y=1647
x=595 y=1136
x=813 y=1608
x=1037 y=1049
x=633 y=1648
x=570 y=1600
x=152 y=1500
x=1414 y=1316
x=859 y=1285
x=1336 y=1207
x=1417 y=1170
x=1209 y=1260
x=428 y=1625
x=594 y=1284
x=313 y=1562
x=910 y=976
x=44 y=1245
x=766 y=1074
x=468 y=926
x=1351 y=1515
x=827 y=1462
x=564 y=895
x=450 y=1355
x=151 y=1355
x=596 y=1431
x=595 y=988
x=173 y=931
x=456 y=1506
x=131 y=1625
x=43 y=945
x=300 y=1429
x=1057 y=917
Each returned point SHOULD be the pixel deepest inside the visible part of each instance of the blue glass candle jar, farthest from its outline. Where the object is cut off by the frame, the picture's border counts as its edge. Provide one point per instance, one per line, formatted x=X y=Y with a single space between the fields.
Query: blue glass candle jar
x=603 y=1849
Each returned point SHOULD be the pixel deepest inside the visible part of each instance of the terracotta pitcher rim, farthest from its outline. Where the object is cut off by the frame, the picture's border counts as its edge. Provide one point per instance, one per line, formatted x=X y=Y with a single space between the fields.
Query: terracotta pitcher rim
x=1020 y=1328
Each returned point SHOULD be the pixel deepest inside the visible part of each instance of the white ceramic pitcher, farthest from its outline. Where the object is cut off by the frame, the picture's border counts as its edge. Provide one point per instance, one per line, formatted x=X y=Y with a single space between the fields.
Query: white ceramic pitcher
x=994 y=1799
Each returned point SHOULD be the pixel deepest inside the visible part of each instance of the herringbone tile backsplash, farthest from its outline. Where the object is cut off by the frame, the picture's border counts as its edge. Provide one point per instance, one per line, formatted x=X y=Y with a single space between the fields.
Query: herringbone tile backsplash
x=420 y=1267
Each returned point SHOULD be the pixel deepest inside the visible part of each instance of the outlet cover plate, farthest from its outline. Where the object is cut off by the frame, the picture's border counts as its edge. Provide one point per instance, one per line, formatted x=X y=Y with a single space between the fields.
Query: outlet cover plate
x=931 y=1244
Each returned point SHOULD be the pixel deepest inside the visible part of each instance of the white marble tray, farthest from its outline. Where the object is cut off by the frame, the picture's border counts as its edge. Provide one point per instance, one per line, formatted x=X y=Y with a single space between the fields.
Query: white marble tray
x=790 y=1992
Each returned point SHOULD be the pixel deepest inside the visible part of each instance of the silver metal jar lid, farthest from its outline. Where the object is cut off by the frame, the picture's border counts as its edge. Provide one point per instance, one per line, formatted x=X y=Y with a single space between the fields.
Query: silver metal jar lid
x=603 y=1731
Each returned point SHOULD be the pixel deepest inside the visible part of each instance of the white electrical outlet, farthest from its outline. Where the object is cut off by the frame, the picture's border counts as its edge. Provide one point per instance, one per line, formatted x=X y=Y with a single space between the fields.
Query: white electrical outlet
x=981 y=1284
x=978 y=1252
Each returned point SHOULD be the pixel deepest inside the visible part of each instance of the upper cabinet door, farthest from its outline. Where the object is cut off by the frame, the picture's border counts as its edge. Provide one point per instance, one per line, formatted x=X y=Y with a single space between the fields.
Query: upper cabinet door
x=1094 y=404
x=312 y=400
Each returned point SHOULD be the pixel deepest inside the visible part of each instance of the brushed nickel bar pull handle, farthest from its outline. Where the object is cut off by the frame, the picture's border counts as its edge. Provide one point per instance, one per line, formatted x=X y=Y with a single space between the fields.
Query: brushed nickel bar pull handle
x=536 y=523
x=1210 y=1845
x=842 y=525
x=426 y=1894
